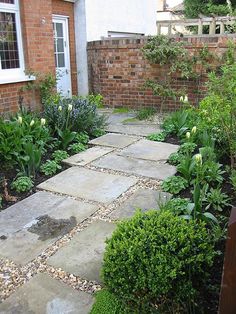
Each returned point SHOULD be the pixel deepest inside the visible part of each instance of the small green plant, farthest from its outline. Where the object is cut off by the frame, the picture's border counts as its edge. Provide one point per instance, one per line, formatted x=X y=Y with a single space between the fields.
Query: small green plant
x=175 y=158
x=216 y=200
x=77 y=148
x=106 y=302
x=82 y=138
x=22 y=184
x=186 y=167
x=233 y=179
x=176 y=205
x=158 y=137
x=98 y=132
x=145 y=113
x=96 y=99
x=121 y=110
x=213 y=172
x=187 y=148
x=50 y=167
x=174 y=184
x=153 y=259
x=60 y=155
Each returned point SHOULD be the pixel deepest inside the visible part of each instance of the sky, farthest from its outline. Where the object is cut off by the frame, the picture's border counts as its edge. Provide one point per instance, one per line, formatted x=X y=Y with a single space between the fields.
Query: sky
x=172 y=3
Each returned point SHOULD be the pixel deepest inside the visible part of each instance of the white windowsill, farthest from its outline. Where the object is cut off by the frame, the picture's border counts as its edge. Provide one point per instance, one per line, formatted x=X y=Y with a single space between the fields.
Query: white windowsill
x=17 y=79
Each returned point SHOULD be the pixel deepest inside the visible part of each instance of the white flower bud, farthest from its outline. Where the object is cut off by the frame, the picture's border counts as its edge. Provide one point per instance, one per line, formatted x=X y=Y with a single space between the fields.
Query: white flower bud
x=194 y=130
x=20 y=120
x=60 y=108
x=32 y=123
x=198 y=158
x=70 y=107
x=188 y=135
x=43 y=121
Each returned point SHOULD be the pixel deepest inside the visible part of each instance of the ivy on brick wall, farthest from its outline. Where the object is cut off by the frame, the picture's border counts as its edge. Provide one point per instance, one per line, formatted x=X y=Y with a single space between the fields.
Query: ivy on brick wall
x=182 y=62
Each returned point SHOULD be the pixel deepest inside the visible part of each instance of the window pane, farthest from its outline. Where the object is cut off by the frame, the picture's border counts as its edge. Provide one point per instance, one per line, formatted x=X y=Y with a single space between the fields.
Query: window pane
x=60 y=45
x=59 y=30
x=7 y=1
x=61 y=60
x=9 y=54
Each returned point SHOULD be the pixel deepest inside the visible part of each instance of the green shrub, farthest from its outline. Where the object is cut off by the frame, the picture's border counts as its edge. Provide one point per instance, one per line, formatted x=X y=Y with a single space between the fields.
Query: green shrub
x=76 y=148
x=82 y=138
x=174 y=184
x=176 y=205
x=158 y=137
x=187 y=148
x=107 y=303
x=60 y=155
x=74 y=114
x=157 y=260
x=175 y=158
x=216 y=199
x=22 y=184
x=50 y=167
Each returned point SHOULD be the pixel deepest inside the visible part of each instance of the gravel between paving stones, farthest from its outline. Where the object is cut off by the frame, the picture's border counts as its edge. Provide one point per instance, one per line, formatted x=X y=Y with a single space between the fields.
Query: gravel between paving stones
x=12 y=275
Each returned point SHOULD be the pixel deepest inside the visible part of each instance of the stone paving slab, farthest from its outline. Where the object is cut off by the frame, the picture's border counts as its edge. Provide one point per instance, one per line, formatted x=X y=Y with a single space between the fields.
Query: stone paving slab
x=45 y=295
x=23 y=246
x=133 y=129
x=114 y=140
x=85 y=251
x=23 y=214
x=88 y=184
x=118 y=118
x=143 y=199
x=87 y=156
x=138 y=167
x=150 y=150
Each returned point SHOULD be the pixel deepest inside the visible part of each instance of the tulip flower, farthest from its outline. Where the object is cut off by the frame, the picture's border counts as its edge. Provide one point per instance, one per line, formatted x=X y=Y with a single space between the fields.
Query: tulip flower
x=32 y=123
x=188 y=135
x=198 y=159
x=43 y=121
x=70 y=107
x=20 y=120
x=60 y=108
x=194 y=130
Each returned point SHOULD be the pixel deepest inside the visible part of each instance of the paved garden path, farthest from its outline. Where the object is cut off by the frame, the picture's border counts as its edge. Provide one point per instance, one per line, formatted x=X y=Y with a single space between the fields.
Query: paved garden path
x=52 y=243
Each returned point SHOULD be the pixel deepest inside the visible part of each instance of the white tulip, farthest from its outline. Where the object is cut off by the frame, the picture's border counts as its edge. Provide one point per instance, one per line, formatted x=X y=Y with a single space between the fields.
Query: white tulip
x=32 y=123
x=43 y=121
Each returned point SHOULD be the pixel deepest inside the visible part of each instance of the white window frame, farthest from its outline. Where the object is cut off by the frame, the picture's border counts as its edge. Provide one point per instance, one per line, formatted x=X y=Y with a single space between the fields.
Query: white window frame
x=17 y=74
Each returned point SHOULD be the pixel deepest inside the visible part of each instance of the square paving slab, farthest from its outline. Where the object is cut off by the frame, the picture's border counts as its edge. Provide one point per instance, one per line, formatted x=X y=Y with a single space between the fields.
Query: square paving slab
x=23 y=214
x=45 y=295
x=30 y=231
x=133 y=129
x=150 y=150
x=114 y=140
x=85 y=251
x=88 y=184
x=142 y=199
x=87 y=156
x=139 y=167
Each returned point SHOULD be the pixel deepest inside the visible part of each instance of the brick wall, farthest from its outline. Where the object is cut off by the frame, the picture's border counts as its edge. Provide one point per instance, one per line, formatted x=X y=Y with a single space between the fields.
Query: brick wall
x=118 y=70
x=38 y=49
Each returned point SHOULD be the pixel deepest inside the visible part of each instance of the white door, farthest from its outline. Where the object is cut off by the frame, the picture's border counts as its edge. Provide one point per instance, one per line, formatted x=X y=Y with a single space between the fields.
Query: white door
x=62 y=55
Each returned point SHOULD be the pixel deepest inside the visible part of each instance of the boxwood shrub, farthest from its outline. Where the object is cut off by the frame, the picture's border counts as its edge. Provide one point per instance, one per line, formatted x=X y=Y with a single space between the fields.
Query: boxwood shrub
x=152 y=260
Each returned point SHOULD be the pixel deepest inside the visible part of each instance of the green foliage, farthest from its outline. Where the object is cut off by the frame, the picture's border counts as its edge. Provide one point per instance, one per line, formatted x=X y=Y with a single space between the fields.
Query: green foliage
x=22 y=184
x=216 y=199
x=121 y=110
x=145 y=113
x=186 y=168
x=82 y=138
x=66 y=137
x=75 y=115
x=96 y=99
x=233 y=179
x=77 y=148
x=157 y=260
x=176 y=205
x=98 y=132
x=187 y=148
x=106 y=302
x=221 y=123
x=50 y=167
x=206 y=7
x=175 y=158
x=158 y=137
x=59 y=155
x=174 y=184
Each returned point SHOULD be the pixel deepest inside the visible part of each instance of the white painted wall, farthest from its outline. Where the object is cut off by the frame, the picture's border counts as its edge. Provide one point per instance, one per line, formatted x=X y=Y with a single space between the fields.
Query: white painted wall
x=132 y=16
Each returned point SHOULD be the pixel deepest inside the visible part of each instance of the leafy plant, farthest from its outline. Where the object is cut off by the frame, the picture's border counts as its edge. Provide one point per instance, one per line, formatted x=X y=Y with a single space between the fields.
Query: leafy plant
x=66 y=136
x=213 y=172
x=50 y=167
x=159 y=243
x=145 y=113
x=186 y=168
x=158 y=137
x=175 y=158
x=22 y=184
x=187 y=148
x=174 y=184
x=76 y=115
x=82 y=138
x=216 y=199
x=77 y=147
x=176 y=205
x=59 y=155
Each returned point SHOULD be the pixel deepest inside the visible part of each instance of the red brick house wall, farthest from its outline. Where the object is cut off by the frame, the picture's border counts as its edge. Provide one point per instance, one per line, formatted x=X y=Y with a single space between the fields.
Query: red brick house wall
x=118 y=71
x=38 y=49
